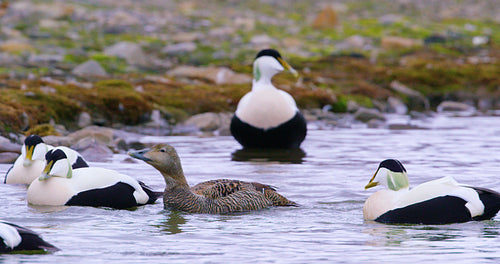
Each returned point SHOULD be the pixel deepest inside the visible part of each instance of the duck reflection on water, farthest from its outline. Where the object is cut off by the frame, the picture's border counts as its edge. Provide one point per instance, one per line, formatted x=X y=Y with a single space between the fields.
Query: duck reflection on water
x=295 y=156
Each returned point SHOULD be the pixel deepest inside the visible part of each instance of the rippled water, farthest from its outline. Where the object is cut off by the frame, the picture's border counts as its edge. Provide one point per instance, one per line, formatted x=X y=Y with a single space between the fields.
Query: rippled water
x=328 y=183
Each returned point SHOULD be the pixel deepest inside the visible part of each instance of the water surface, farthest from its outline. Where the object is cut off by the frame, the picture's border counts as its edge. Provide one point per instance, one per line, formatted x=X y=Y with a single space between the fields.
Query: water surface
x=327 y=181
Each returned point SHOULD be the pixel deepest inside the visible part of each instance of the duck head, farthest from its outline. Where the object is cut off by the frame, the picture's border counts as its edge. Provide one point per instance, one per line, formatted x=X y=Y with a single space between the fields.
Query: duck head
x=33 y=149
x=390 y=173
x=57 y=165
x=267 y=63
x=164 y=158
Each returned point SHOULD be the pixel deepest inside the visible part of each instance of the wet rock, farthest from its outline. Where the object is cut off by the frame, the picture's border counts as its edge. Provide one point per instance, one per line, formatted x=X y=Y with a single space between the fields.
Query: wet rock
x=365 y=115
x=393 y=42
x=327 y=18
x=89 y=68
x=179 y=48
x=205 y=121
x=129 y=51
x=92 y=149
x=8 y=157
x=449 y=106
x=218 y=75
x=58 y=140
x=7 y=146
x=415 y=98
x=101 y=134
x=375 y=123
x=395 y=105
x=352 y=106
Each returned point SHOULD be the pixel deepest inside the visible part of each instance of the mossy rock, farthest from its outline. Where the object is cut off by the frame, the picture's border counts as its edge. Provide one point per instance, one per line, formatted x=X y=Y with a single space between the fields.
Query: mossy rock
x=42 y=130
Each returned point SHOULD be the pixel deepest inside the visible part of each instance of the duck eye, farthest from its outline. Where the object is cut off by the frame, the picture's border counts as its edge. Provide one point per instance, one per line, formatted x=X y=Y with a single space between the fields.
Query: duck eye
x=162 y=150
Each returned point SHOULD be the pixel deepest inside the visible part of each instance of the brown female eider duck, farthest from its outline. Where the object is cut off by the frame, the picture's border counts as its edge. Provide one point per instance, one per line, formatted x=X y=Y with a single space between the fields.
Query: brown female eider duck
x=212 y=197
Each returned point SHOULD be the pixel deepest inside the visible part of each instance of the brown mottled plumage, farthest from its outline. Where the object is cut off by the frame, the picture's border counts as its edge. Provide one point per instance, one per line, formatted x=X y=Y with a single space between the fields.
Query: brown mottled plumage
x=213 y=197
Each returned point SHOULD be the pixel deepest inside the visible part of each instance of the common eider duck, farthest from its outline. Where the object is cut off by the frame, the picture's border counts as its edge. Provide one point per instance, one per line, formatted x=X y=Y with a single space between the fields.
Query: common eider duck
x=267 y=117
x=30 y=163
x=441 y=201
x=211 y=197
x=15 y=238
x=59 y=184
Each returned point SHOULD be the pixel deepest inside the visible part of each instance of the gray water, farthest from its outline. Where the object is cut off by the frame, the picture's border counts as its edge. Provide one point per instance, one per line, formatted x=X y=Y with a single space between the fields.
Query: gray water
x=328 y=183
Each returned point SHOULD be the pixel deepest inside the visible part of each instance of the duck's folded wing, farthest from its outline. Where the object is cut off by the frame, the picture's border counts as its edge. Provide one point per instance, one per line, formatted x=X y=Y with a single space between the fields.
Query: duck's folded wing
x=217 y=188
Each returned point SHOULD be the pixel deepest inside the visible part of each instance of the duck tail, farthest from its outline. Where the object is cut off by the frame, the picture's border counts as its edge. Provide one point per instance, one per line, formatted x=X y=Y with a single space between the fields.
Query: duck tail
x=491 y=201
x=153 y=196
x=278 y=199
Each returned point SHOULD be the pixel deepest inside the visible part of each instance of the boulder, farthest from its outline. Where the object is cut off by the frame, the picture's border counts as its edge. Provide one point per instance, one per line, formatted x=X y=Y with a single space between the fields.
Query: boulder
x=217 y=75
x=415 y=98
x=89 y=68
x=84 y=120
x=395 y=105
x=205 y=121
x=394 y=42
x=129 y=51
x=103 y=135
x=92 y=149
x=7 y=146
x=450 y=106
x=8 y=157
x=327 y=18
x=365 y=115
x=179 y=48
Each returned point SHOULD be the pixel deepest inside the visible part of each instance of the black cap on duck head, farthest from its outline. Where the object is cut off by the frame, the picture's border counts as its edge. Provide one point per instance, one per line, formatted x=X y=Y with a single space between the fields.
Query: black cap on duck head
x=55 y=155
x=392 y=165
x=33 y=140
x=268 y=52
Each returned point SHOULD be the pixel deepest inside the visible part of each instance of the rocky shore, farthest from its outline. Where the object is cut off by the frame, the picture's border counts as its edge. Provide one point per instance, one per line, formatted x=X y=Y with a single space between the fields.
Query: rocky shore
x=98 y=74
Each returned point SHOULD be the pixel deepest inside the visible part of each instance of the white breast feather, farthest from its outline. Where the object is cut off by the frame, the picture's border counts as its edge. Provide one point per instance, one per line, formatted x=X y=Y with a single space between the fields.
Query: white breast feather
x=266 y=108
x=20 y=174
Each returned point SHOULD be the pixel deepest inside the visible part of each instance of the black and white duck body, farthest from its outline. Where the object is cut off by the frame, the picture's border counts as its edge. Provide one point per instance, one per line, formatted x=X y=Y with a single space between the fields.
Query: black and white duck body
x=29 y=165
x=60 y=184
x=268 y=117
x=14 y=238
x=440 y=201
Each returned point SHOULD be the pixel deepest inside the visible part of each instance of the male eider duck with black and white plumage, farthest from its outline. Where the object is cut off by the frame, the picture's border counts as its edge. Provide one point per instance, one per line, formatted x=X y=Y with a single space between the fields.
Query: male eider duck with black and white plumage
x=267 y=117
x=441 y=201
x=60 y=184
x=29 y=165
x=15 y=239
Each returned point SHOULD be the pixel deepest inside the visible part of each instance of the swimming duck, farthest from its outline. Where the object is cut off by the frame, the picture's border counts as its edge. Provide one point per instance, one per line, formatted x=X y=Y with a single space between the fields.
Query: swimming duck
x=440 y=201
x=212 y=197
x=60 y=184
x=267 y=117
x=30 y=163
x=16 y=238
